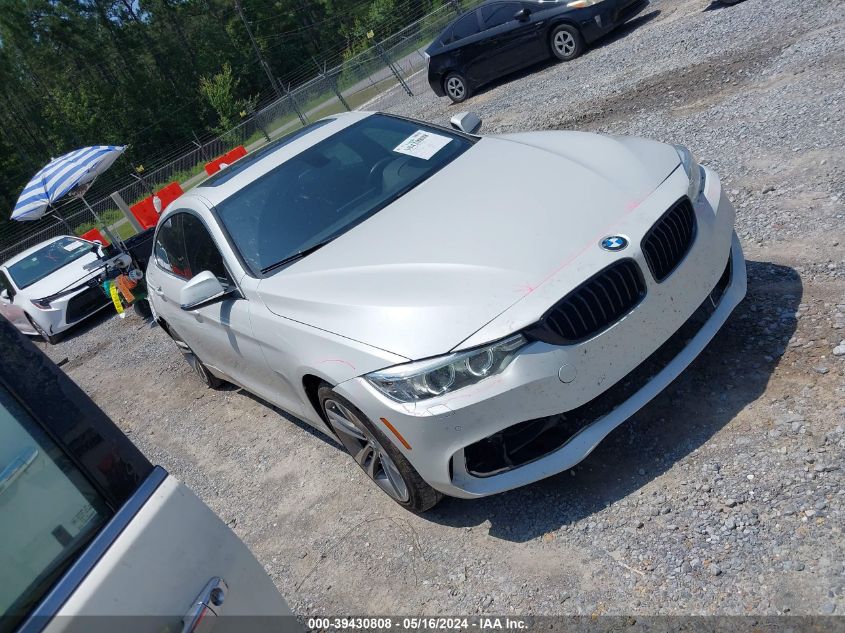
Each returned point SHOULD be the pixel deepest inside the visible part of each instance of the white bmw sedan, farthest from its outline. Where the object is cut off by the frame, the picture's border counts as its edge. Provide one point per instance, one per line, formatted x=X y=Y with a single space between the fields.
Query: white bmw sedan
x=465 y=314
x=46 y=290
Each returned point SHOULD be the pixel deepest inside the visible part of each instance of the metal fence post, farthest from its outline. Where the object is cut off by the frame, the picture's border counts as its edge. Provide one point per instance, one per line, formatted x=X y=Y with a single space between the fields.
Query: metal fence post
x=333 y=83
x=295 y=105
x=392 y=68
x=121 y=204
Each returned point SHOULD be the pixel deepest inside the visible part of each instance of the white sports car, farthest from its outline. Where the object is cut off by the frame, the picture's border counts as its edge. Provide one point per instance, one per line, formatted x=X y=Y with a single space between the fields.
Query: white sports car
x=466 y=314
x=44 y=290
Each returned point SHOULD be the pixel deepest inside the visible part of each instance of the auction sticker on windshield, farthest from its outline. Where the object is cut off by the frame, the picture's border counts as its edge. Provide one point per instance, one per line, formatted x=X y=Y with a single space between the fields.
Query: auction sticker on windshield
x=422 y=144
x=72 y=246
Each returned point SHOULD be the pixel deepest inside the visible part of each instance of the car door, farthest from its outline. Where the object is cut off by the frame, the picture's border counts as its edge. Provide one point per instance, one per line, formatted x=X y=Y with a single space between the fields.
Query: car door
x=8 y=307
x=89 y=527
x=468 y=45
x=512 y=43
x=220 y=333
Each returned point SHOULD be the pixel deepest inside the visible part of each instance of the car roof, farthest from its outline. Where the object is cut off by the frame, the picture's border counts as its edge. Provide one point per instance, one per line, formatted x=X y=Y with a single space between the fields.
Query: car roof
x=214 y=190
x=32 y=249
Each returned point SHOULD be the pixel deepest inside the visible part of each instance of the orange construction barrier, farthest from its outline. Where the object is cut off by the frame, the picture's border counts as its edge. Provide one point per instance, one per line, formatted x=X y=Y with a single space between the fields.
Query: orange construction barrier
x=213 y=166
x=145 y=211
x=94 y=235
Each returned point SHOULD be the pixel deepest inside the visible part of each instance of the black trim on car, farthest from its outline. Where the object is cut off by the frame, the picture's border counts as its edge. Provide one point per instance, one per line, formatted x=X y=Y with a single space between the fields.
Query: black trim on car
x=70 y=418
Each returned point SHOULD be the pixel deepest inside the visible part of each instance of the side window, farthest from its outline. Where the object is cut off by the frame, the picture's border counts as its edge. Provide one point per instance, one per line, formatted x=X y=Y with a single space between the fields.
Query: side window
x=49 y=511
x=4 y=284
x=203 y=253
x=169 y=247
x=495 y=14
x=446 y=37
x=466 y=26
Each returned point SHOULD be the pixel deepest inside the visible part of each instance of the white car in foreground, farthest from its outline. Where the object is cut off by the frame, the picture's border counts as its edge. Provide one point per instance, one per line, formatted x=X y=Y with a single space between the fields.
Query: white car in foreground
x=45 y=290
x=465 y=314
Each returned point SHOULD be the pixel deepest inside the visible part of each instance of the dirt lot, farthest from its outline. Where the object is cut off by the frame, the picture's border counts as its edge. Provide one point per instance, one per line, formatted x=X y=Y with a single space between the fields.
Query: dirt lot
x=724 y=495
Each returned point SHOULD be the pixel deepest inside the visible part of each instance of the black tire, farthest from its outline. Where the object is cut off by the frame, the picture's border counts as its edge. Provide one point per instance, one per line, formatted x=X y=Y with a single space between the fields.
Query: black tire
x=456 y=87
x=566 y=42
x=420 y=496
x=142 y=309
x=52 y=339
x=210 y=380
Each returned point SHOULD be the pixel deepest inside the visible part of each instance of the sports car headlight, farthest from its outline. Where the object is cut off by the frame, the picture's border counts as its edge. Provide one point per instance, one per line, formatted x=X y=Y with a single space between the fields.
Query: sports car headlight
x=693 y=170
x=436 y=376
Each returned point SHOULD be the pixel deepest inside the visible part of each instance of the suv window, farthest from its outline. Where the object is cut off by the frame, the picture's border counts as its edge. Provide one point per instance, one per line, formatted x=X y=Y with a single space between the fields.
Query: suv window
x=464 y=27
x=495 y=14
x=203 y=254
x=49 y=511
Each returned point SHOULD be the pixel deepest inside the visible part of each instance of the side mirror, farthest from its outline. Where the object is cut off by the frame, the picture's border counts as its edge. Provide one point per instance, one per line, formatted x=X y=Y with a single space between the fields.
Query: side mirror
x=522 y=15
x=4 y=295
x=467 y=122
x=204 y=289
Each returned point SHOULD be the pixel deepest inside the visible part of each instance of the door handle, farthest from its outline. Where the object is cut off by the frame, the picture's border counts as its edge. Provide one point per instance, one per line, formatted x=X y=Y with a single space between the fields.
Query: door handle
x=208 y=604
x=158 y=291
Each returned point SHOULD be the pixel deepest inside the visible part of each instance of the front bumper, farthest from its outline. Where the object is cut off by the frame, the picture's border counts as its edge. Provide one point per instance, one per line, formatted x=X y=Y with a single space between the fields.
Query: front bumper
x=606 y=16
x=547 y=380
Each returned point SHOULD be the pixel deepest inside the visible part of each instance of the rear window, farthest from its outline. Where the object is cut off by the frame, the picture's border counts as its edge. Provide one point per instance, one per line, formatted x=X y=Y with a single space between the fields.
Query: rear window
x=464 y=27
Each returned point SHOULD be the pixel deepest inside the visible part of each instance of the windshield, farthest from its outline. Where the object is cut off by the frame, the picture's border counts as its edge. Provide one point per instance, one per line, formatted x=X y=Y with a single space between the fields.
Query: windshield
x=329 y=188
x=47 y=260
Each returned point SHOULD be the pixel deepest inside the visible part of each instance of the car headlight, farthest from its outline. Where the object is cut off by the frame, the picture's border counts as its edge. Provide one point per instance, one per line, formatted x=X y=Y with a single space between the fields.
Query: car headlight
x=434 y=377
x=694 y=172
x=41 y=304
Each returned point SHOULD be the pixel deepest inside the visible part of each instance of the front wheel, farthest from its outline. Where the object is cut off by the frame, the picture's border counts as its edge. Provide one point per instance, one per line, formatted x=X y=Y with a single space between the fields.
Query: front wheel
x=566 y=42
x=52 y=339
x=456 y=87
x=376 y=454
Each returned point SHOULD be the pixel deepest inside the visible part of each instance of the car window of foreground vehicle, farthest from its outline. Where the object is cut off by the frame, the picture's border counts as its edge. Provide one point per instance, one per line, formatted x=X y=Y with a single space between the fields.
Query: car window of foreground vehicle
x=332 y=186
x=47 y=518
x=47 y=260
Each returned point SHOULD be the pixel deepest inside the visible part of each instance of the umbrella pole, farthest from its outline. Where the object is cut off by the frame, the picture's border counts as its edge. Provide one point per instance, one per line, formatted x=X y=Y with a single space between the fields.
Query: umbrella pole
x=56 y=215
x=112 y=238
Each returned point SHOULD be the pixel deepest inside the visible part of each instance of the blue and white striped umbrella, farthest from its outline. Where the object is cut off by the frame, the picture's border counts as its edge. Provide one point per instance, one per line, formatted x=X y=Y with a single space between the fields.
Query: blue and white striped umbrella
x=62 y=175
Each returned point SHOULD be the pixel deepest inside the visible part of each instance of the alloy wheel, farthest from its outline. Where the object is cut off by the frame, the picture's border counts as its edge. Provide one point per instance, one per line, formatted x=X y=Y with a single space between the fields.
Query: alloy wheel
x=564 y=43
x=366 y=450
x=455 y=87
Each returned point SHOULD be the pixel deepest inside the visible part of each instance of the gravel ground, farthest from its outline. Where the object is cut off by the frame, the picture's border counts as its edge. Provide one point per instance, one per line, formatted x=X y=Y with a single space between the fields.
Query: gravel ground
x=725 y=495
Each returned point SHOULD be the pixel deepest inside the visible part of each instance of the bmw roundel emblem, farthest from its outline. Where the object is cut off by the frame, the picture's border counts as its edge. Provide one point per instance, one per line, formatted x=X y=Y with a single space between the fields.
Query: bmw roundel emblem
x=613 y=243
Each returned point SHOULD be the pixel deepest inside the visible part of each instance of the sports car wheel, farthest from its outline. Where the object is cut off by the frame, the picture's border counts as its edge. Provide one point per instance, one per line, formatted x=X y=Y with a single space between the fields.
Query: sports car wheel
x=457 y=88
x=376 y=454
x=566 y=42
x=52 y=339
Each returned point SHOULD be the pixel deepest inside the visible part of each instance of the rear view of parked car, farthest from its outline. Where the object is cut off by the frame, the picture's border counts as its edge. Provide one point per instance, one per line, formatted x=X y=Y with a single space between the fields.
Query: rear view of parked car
x=498 y=38
x=93 y=537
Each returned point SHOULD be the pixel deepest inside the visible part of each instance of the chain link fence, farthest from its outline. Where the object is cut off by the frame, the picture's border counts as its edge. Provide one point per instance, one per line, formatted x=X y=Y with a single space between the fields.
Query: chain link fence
x=388 y=72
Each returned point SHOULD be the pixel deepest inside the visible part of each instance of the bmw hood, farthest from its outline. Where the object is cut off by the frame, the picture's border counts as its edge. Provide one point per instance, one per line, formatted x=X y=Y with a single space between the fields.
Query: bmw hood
x=429 y=270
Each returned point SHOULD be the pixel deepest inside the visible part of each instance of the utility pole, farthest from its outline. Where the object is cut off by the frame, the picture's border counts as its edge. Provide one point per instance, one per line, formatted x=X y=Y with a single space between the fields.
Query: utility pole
x=257 y=50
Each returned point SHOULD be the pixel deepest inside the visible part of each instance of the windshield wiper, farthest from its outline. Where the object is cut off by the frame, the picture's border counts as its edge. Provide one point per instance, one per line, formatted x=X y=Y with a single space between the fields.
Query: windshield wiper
x=296 y=256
